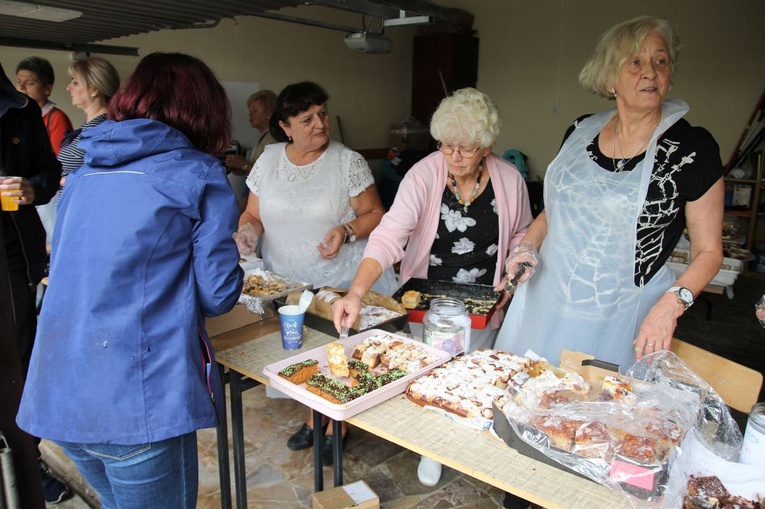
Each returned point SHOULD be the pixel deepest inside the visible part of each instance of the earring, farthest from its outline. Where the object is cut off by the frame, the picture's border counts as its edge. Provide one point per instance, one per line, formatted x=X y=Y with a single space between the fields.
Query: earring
x=92 y=95
x=289 y=138
x=613 y=92
x=670 y=88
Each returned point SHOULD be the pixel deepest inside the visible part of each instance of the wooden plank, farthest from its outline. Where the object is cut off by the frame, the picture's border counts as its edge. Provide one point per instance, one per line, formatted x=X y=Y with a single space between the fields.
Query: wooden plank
x=475 y=453
x=738 y=386
x=482 y=456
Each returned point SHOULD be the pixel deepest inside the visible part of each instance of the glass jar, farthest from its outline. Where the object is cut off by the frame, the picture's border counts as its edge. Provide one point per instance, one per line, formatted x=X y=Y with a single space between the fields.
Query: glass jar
x=753 y=446
x=446 y=325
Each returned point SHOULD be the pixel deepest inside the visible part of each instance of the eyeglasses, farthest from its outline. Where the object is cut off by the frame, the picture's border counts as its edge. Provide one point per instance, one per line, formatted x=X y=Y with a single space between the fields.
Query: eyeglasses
x=466 y=153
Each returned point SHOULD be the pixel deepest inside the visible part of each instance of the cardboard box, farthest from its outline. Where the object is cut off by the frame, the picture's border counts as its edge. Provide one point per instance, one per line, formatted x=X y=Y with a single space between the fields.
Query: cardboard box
x=237 y=318
x=357 y=495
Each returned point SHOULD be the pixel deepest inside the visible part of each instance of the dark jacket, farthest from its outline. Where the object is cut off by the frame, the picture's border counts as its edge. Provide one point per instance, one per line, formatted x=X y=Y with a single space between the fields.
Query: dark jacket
x=25 y=151
x=142 y=251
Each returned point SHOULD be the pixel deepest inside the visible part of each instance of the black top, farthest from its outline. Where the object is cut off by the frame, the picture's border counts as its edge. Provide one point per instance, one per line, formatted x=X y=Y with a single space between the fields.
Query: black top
x=25 y=151
x=466 y=243
x=687 y=164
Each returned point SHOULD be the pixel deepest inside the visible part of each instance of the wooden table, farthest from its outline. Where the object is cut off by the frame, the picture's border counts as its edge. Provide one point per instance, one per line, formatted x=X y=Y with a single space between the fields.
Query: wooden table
x=479 y=454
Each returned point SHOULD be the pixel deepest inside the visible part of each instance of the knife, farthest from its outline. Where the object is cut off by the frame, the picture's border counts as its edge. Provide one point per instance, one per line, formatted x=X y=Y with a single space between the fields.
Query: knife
x=512 y=285
x=343 y=333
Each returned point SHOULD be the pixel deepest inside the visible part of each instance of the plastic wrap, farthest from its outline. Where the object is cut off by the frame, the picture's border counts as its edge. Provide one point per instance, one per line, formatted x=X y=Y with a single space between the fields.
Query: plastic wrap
x=262 y=287
x=625 y=431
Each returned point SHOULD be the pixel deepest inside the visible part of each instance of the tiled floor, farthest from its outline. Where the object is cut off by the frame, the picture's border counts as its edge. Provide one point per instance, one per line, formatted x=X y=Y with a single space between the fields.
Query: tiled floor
x=278 y=478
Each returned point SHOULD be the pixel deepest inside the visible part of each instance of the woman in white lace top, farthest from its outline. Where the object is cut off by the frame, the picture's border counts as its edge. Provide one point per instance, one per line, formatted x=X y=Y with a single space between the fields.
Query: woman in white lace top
x=312 y=205
x=312 y=200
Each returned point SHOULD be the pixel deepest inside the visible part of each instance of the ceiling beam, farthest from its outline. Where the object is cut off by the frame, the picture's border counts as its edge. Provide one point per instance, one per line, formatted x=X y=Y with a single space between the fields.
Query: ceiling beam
x=306 y=21
x=103 y=49
x=417 y=6
x=360 y=7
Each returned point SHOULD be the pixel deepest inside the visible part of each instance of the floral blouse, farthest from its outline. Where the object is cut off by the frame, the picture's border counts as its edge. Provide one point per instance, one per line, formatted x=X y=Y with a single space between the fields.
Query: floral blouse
x=466 y=243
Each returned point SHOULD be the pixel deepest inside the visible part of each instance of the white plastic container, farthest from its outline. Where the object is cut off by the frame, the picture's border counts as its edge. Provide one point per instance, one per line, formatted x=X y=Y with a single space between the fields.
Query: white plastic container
x=725 y=276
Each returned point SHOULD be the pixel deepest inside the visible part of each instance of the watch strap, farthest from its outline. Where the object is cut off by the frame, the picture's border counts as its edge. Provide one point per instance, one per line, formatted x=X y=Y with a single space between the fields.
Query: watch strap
x=350 y=233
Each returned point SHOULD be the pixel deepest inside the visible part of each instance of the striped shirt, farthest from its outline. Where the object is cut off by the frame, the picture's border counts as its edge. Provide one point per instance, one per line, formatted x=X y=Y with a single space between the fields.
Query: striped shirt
x=70 y=155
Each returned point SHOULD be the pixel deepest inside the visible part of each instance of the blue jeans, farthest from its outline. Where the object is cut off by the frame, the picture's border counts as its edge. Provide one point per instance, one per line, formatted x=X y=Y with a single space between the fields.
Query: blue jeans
x=145 y=476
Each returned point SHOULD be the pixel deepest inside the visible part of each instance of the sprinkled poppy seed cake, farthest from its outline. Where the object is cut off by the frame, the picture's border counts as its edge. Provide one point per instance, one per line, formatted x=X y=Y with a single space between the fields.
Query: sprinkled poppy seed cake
x=301 y=371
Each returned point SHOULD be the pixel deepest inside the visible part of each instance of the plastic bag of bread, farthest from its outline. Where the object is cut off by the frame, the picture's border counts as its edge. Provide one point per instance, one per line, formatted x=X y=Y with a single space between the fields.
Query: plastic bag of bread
x=624 y=432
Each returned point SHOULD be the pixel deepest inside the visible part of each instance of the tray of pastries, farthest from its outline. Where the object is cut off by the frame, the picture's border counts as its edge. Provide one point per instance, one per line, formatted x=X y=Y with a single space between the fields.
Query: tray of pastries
x=263 y=284
x=480 y=300
x=342 y=379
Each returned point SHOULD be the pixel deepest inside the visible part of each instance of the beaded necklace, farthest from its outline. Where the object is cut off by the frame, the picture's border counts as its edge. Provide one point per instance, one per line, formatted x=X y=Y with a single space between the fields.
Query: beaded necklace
x=467 y=203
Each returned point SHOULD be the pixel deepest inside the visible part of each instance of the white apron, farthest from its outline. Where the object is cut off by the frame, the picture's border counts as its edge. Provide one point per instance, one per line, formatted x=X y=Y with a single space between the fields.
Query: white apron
x=582 y=296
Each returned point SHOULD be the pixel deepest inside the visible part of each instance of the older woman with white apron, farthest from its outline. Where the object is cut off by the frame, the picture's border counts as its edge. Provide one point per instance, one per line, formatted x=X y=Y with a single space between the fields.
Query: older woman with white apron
x=618 y=195
x=582 y=296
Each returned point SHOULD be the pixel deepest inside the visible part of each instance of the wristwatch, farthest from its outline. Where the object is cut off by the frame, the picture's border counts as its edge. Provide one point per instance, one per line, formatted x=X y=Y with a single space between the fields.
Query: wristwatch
x=684 y=295
x=350 y=234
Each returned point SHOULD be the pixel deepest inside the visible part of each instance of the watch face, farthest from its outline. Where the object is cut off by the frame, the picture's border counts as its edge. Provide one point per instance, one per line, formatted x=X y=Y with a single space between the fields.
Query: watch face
x=685 y=295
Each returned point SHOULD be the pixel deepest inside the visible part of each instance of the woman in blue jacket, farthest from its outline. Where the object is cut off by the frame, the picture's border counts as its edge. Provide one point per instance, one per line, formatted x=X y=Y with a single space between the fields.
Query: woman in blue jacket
x=123 y=374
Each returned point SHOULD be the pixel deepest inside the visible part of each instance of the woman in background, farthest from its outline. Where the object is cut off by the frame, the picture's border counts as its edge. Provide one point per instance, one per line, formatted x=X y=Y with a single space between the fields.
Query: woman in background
x=123 y=373
x=260 y=106
x=94 y=82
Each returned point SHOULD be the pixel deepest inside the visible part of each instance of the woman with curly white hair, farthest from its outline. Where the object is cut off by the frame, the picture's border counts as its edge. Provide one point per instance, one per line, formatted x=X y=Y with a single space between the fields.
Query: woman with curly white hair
x=457 y=214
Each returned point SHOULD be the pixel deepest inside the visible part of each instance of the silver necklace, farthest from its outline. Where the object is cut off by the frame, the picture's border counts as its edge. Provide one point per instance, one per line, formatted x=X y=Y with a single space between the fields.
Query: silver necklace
x=619 y=166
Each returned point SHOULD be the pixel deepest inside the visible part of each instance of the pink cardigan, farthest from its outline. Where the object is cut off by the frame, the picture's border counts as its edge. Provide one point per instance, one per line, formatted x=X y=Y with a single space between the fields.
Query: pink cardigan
x=407 y=231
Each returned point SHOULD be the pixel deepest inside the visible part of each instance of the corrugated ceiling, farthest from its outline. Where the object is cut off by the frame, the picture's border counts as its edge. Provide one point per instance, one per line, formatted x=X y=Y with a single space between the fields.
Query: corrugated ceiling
x=102 y=20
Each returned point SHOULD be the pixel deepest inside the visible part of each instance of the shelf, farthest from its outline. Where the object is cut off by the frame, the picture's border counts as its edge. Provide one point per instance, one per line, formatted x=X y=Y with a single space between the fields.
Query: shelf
x=741 y=181
x=739 y=213
x=749 y=192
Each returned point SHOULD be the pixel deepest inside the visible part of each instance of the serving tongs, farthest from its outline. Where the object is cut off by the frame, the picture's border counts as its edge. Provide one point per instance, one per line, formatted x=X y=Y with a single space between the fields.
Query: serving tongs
x=512 y=284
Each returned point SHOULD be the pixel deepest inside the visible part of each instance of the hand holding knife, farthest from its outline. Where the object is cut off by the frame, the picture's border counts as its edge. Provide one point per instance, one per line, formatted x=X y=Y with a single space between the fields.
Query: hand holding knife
x=512 y=284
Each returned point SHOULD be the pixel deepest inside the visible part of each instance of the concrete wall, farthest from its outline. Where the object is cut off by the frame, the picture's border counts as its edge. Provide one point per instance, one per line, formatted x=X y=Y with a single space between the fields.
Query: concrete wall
x=531 y=54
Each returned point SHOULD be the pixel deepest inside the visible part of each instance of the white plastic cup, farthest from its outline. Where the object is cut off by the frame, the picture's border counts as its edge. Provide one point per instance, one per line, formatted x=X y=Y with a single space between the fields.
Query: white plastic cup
x=291 y=322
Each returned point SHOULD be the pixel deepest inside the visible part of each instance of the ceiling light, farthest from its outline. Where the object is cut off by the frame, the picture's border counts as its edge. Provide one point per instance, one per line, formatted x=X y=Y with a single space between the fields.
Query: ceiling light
x=36 y=11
